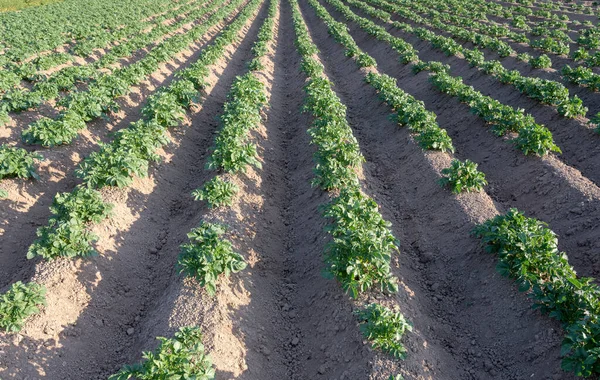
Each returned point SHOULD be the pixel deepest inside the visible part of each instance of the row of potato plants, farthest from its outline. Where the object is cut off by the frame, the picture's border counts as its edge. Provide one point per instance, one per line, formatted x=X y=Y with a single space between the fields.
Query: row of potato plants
x=31 y=70
x=33 y=51
x=554 y=39
x=543 y=90
x=443 y=21
x=466 y=18
x=533 y=138
x=518 y=16
x=133 y=148
x=208 y=255
x=359 y=254
x=410 y=112
x=67 y=233
x=528 y=252
x=460 y=26
x=81 y=107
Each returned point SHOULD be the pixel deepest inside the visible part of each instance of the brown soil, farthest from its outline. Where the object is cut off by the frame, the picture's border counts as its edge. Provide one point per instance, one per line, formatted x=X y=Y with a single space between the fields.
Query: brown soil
x=280 y=318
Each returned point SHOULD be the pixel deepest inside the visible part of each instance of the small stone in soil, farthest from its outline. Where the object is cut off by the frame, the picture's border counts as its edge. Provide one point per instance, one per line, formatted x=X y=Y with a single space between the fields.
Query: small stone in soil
x=322 y=369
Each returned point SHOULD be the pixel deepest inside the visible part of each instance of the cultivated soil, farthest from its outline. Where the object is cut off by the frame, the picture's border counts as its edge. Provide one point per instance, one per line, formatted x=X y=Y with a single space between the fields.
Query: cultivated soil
x=281 y=318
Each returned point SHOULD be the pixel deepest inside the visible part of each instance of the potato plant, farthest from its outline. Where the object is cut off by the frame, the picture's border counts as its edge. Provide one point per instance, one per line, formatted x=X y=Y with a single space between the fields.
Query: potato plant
x=338 y=155
x=216 y=192
x=360 y=252
x=384 y=328
x=67 y=233
x=541 y=62
x=463 y=176
x=208 y=255
x=232 y=152
x=17 y=162
x=20 y=302
x=180 y=357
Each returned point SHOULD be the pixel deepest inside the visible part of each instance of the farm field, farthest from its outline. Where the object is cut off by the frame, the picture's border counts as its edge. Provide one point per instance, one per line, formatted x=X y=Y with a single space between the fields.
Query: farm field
x=300 y=189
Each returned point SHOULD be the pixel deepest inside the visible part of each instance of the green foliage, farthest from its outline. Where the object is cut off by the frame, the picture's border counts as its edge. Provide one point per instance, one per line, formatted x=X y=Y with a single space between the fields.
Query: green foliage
x=66 y=234
x=524 y=57
x=338 y=155
x=580 y=54
x=216 y=192
x=541 y=62
x=409 y=111
x=359 y=254
x=208 y=255
x=4 y=118
x=533 y=138
x=232 y=152
x=20 y=302
x=537 y=140
x=49 y=132
x=384 y=328
x=572 y=108
x=164 y=108
x=463 y=176
x=551 y=45
x=128 y=155
x=181 y=357
x=581 y=76
x=528 y=252
x=435 y=139
x=17 y=162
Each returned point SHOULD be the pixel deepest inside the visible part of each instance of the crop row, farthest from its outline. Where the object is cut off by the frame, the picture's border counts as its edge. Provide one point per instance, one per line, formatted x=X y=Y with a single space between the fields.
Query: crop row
x=37 y=30
x=362 y=243
x=528 y=252
x=410 y=112
x=546 y=91
x=129 y=154
x=205 y=259
x=94 y=102
x=553 y=40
